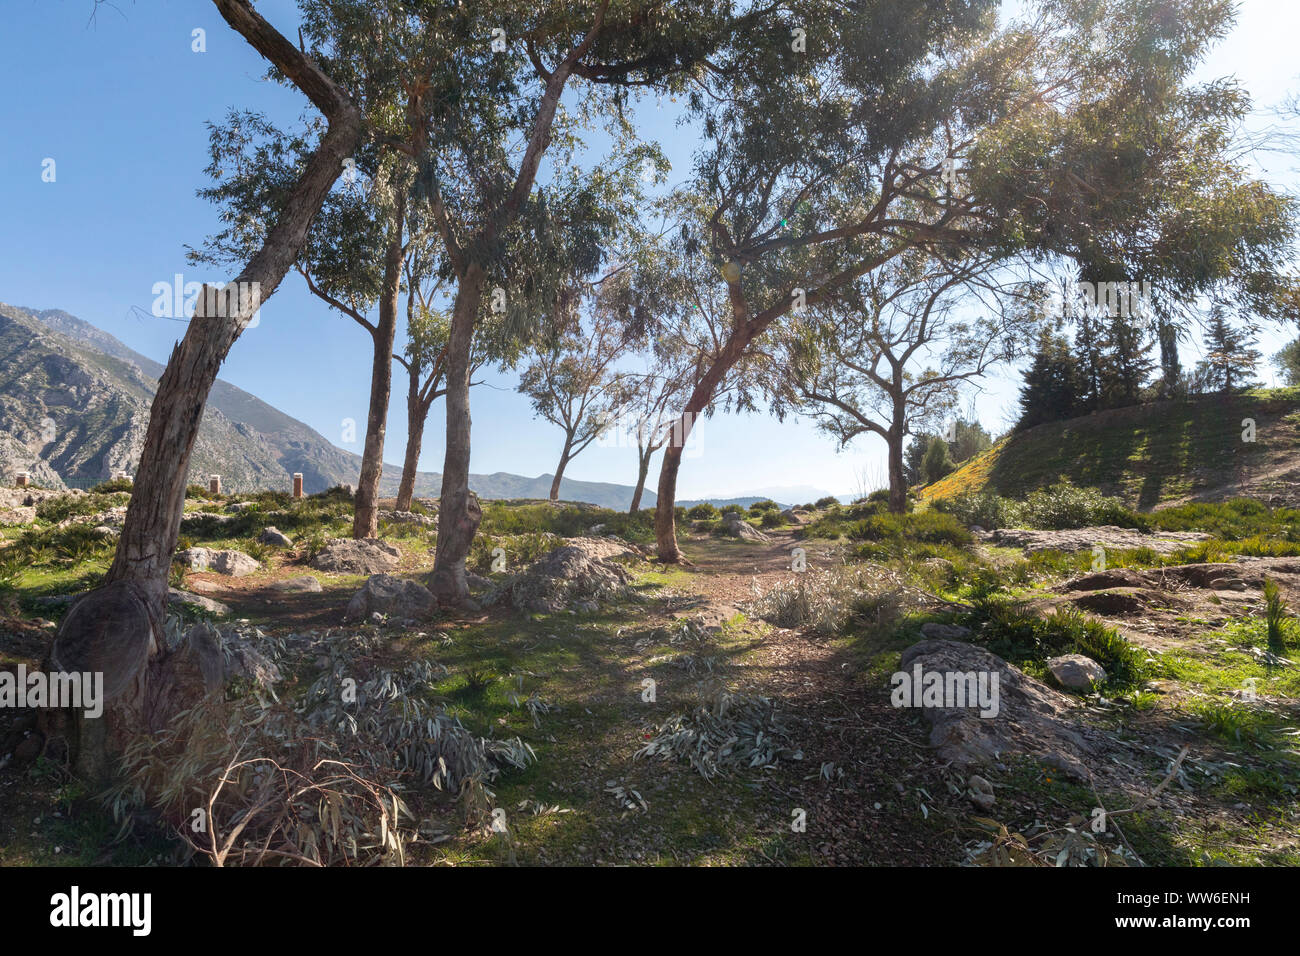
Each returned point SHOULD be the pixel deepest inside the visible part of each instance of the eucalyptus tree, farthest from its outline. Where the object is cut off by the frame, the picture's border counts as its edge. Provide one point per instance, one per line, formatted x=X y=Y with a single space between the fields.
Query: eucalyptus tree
x=884 y=128
x=653 y=396
x=117 y=629
x=572 y=381
x=889 y=355
x=492 y=113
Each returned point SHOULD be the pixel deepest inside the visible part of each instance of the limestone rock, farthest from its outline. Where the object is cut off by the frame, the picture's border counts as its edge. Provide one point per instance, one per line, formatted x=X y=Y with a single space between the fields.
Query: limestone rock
x=395 y=597
x=273 y=535
x=304 y=584
x=353 y=556
x=234 y=563
x=1076 y=672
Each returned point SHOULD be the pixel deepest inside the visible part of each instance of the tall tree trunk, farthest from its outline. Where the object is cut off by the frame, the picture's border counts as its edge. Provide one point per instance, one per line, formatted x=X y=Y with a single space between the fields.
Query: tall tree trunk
x=897 y=478
x=643 y=456
x=416 y=414
x=365 y=518
x=458 y=511
x=116 y=629
x=559 y=469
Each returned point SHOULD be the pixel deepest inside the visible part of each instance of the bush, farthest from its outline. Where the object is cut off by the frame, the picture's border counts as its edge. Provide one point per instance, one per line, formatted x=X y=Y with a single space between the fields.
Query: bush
x=702 y=512
x=830 y=501
x=63 y=507
x=772 y=519
x=732 y=509
x=112 y=485
x=200 y=493
x=1059 y=507
x=926 y=527
x=759 y=507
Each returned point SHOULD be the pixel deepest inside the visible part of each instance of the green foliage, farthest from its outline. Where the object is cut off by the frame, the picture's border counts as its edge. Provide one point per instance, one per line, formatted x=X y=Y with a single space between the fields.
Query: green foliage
x=702 y=511
x=1276 y=617
x=1016 y=633
x=63 y=507
x=112 y=485
x=830 y=501
x=1058 y=507
x=925 y=527
x=758 y=508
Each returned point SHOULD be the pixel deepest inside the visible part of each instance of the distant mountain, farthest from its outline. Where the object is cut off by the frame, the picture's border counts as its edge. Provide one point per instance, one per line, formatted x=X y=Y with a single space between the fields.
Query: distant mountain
x=74 y=403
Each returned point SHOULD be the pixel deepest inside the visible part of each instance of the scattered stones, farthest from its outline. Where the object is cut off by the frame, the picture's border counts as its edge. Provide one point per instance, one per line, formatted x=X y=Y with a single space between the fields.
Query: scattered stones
x=981 y=792
x=234 y=563
x=386 y=595
x=273 y=535
x=304 y=584
x=357 y=556
x=1076 y=672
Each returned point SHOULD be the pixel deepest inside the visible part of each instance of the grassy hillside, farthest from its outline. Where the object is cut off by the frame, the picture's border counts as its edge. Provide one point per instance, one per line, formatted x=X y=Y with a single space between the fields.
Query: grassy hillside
x=1152 y=454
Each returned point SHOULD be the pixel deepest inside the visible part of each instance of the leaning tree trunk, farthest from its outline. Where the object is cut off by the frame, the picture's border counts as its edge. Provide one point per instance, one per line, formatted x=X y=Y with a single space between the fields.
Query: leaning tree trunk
x=417 y=413
x=117 y=628
x=458 y=510
x=643 y=455
x=559 y=469
x=365 y=518
x=701 y=398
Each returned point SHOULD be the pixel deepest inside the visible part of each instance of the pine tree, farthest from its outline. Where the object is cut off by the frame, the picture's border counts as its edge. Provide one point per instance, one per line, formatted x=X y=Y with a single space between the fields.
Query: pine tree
x=1052 y=384
x=1129 y=363
x=1231 y=357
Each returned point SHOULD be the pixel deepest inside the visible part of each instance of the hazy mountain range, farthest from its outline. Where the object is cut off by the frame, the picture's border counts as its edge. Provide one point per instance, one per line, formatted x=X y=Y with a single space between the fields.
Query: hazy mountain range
x=74 y=404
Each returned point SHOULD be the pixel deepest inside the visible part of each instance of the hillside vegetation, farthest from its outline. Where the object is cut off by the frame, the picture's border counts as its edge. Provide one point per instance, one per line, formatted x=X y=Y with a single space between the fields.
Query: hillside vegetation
x=1151 y=455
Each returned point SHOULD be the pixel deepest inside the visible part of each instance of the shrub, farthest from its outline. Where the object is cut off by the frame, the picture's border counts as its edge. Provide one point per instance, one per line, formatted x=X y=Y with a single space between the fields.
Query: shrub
x=772 y=519
x=927 y=527
x=830 y=501
x=759 y=507
x=702 y=511
x=732 y=509
x=112 y=485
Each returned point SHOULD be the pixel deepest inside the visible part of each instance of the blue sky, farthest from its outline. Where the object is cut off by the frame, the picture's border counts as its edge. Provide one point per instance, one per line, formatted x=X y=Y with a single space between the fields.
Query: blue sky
x=120 y=106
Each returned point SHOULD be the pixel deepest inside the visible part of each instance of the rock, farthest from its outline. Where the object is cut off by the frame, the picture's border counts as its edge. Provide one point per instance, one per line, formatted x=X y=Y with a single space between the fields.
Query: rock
x=1085 y=539
x=934 y=631
x=273 y=535
x=1101 y=580
x=1076 y=672
x=104 y=531
x=572 y=575
x=735 y=526
x=352 y=556
x=175 y=596
x=596 y=529
x=234 y=563
x=409 y=517
x=394 y=597
x=981 y=792
x=1031 y=719
x=303 y=584
x=237 y=506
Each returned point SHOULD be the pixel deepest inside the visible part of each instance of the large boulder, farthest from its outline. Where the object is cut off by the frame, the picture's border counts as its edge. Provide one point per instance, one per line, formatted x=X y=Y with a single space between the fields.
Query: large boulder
x=575 y=576
x=273 y=535
x=393 y=597
x=234 y=563
x=357 y=556
x=1031 y=719
x=735 y=526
